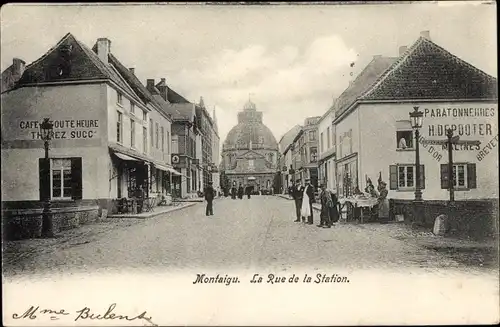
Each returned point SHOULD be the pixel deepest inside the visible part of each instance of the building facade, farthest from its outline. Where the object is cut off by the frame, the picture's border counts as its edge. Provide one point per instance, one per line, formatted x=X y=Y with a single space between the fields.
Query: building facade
x=375 y=138
x=285 y=157
x=327 y=145
x=305 y=155
x=109 y=138
x=250 y=152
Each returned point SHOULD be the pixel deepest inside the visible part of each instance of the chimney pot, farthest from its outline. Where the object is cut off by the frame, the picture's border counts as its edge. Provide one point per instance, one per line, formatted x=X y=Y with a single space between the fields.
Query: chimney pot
x=132 y=70
x=103 y=49
x=402 y=49
x=426 y=34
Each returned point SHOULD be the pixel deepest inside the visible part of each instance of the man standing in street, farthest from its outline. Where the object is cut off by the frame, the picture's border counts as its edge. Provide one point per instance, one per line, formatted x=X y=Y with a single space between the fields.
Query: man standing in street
x=326 y=206
x=209 y=196
x=297 y=193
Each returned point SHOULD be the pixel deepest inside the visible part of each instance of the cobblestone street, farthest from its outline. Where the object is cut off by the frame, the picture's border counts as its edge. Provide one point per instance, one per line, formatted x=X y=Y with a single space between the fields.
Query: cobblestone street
x=248 y=233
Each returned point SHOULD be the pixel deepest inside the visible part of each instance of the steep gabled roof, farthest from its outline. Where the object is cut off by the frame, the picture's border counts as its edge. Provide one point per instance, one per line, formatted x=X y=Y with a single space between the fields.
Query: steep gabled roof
x=362 y=83
x=427 y=71
x=288 y=137
x=82 y=64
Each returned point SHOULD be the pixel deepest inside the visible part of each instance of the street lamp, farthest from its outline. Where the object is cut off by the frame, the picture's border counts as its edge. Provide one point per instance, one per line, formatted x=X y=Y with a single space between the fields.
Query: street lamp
x=46 y=131
x=416 y=118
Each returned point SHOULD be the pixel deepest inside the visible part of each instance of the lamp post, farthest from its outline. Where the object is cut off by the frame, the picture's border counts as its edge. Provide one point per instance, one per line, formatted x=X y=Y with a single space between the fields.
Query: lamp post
x=46 y=131
x=416 y=118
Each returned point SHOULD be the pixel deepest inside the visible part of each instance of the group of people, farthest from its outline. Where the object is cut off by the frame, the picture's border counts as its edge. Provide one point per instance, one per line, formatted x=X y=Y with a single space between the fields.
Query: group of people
x=240 y=191
x=303 y=195
x=382 y=209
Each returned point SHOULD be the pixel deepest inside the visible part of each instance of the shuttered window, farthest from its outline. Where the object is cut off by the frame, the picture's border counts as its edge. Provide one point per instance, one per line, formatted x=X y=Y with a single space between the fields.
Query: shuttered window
x=60 y=178
x=402 y=177
x=463 y=176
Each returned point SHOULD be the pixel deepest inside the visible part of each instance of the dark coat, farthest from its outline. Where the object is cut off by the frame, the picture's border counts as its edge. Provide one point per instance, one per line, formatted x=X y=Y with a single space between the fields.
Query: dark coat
x=209 y=193
x=334 y=210
x=297 y=192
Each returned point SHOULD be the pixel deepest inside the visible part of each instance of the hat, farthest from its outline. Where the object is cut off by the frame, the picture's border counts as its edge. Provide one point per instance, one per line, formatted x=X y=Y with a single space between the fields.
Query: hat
x=383 y=183
x=210 y=183
x=308 y=179
x=297 y=180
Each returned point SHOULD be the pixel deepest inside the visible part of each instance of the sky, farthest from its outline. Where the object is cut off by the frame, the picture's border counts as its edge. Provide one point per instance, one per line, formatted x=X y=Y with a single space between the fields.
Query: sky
x=291 y=60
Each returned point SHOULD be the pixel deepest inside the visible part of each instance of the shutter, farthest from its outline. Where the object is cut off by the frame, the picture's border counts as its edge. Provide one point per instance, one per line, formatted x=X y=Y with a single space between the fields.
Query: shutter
x=76 y=178
x=471 y=175
x=44 y=178
x=422 y=177
x=444 y=176
x=393 y=177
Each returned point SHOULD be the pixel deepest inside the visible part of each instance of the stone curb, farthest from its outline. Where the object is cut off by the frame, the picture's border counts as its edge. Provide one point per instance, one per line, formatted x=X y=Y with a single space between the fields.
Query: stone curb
x=154 y=214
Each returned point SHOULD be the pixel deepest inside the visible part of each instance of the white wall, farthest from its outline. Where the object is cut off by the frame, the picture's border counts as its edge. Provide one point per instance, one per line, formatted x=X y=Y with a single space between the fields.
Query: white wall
x=69 y=105
x=378 y=126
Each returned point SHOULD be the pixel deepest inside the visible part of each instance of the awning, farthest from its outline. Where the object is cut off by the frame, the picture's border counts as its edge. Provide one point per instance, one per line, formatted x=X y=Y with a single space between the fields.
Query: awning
x=175 y=172
x=161 y=167
x=125 y=157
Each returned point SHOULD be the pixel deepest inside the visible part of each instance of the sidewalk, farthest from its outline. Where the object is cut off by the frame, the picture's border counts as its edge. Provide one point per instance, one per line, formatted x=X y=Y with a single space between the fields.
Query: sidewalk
x=160 y=210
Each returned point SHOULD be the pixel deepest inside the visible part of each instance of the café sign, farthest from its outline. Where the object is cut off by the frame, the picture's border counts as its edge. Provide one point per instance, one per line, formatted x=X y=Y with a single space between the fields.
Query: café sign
x=63 y=129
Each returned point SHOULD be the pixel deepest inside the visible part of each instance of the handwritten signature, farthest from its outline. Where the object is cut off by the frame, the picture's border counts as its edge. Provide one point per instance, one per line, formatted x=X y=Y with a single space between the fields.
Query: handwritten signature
x=82 y=314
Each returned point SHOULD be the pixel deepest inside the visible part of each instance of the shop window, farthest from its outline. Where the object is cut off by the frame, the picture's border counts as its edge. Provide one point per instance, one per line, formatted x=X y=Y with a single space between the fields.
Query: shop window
x=404 y=139
x=61 y=178
x=119 y=127
x=402 y=177
x=132 y=133
x=463 y=176
x=119 y=98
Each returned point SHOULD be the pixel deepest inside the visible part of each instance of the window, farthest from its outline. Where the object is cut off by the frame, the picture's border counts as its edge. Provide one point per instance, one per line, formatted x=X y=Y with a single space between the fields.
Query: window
x=119 y=129
x=61 y=178
x=162 y=139
x=144 y=116
x=132 y=107
x=168 y=142
x=322 y=146
x=132 y=133
x=463 y=176
x=312 y=135
x=404 y=139
x=175 y=143
x=157 y=136
x=314 y=154
x=403 y=177
x=119 y=98
x=250 y=164
x=151 y=136
x=328 y=138
x=144 y=139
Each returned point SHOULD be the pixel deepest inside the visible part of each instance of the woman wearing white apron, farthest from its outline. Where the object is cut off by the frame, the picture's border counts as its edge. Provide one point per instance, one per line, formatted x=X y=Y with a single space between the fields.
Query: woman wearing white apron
x=307 y=201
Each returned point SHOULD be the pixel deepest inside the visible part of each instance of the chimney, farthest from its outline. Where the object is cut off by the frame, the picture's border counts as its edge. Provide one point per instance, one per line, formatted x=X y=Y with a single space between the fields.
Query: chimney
x=162 y=87
x=402 y=49
x=18 y=66
x=103 y=49
x=150 y=85
x=426 y=34
x=132 y=70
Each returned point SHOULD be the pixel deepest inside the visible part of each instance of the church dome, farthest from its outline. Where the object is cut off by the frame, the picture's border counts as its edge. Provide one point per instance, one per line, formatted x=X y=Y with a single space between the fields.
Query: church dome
x=250 y=128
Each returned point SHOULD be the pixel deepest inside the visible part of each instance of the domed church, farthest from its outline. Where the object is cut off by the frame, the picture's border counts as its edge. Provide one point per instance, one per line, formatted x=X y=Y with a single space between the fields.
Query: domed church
x=250 y=152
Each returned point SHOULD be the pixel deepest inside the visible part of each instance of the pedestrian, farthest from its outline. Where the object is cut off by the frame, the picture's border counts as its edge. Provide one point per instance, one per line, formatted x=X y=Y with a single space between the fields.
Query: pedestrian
x=334 y=210
x=326 y=205
x=233 y=191
x=296 y=191
x=248 y=191
x=240 y=192
x=383 y=202
x=307 y=202
x=209 y=197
